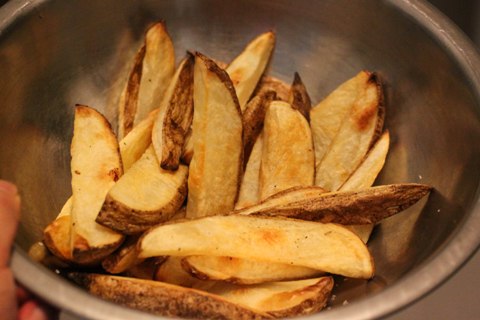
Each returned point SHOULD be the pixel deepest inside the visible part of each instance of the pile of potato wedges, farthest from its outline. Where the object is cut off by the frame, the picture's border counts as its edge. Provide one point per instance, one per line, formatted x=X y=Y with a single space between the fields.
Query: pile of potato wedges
x=225 y=193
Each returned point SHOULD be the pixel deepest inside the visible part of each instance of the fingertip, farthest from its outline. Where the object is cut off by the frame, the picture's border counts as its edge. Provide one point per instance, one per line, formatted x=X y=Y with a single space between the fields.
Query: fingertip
x=31 y=310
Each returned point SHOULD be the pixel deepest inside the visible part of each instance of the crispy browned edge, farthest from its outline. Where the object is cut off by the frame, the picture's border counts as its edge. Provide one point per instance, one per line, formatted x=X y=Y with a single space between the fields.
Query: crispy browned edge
x=225 y=79
x=299 y=98
x=252 y=119
x=377 y=81
x=367 y=206
x=312 y=305
x=118 y=216
x=174 y=130
x=162 y=298
x=57 y=234
x=130 y=98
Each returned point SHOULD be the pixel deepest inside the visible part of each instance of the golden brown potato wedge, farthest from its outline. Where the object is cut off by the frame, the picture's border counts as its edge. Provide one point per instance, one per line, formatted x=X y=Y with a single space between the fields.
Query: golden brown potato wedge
x=327 y=117
x=327 y=247
x=217 y=162
x=249 y=189
x=124 y=258
x=357 y=132
x=365 y=175
x=162 y=298
x=146 y=91
x=366 y=206
x=247 y=68
x=56 y=235
x=299 y=98
x=144 y=269
x=253 y=117
x=134 y=144
x=280 y=299
x=242 y=271
x=144 y=196
x=269 y=83
x=175 y=116
x=287 y=156
x=95 y=167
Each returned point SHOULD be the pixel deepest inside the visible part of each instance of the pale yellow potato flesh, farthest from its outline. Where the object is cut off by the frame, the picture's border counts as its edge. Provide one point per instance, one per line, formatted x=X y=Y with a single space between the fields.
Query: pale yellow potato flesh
x=248 y=67
x=134 y=144
x=280 y=299
x=287 y=157
x=327 y=247
x=216 y=166
x=95 y=167
x=327 y=116
x=175 y=116
x=353 y=140
x=365 y=176
x=249 y=189
x=242 y=271
x=144 y=196
x=158 y=70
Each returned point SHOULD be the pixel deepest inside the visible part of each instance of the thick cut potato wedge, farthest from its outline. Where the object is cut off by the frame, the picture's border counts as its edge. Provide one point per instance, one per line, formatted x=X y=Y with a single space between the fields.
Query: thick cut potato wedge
x=366 y=206
x=357 y=133
x=95 y=167
x=327 y=117
x=242 y=271
x=175 y=116
x=249 y=189
x=299 y=98
x=253 y=118
x=365 y=175
x=134 y=144
x=162 y=298
x=287 y=156
x=127 y=105
x=144 y=196
x=327 y=247
x=248 y=67
x=124 y=258
x=56 y=235
x=217 y=162
x=280 y=299
x=157 y=68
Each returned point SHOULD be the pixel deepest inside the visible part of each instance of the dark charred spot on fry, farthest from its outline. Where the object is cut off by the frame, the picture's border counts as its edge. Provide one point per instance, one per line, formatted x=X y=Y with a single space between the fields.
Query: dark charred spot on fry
x=115 y=174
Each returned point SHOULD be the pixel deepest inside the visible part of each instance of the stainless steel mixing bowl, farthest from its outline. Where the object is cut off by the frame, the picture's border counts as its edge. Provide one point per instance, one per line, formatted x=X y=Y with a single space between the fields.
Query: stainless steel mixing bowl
x=54 y=54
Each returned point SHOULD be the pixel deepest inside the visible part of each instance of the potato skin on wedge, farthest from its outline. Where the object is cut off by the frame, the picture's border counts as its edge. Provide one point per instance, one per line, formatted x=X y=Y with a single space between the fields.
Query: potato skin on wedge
x=327 y=247
x=144 y=196
x=367 y=206
x=216 y=166
x=287 y=156
x=162 y=298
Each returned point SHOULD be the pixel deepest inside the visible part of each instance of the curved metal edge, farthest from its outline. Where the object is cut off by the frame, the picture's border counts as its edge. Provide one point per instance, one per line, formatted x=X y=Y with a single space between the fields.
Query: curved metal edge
x=424 y=280
x=60 y=293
